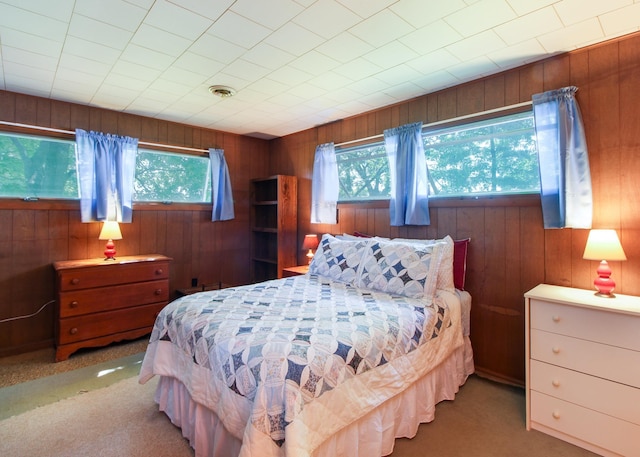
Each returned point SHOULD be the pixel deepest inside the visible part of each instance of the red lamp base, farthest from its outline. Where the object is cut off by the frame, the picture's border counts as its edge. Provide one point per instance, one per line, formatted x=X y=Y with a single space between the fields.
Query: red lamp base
x=603 y=283
x=110 y=251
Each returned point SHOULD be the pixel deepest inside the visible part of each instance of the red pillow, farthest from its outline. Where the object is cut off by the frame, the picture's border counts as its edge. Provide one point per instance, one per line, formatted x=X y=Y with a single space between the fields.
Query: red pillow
x=460 y=262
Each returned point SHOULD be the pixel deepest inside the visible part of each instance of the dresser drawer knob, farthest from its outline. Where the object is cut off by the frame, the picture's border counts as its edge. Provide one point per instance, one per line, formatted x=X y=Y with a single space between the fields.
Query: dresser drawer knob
x=555 y=383
x=556 y=414
x=73 y=331
x=555 y=318
x=75 y=281
x=73 y=304
x=158 y=292
x=159 y=271
x=555 y=350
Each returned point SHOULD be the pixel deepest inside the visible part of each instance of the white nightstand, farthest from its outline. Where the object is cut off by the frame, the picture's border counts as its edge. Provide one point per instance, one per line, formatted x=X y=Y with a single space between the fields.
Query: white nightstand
x=583 y=368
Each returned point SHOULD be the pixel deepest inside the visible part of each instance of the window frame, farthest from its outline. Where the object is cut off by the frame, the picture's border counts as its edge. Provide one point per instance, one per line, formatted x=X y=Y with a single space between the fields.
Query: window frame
x=445 y=125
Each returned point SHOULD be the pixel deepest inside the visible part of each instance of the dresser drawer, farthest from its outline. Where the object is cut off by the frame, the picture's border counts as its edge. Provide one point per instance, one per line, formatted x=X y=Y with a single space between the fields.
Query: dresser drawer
x=584 y=424
x=90 y=326
x=606 y=327
x=111 y=274
x=608 y=362
x=621 y=401
x=99 y=299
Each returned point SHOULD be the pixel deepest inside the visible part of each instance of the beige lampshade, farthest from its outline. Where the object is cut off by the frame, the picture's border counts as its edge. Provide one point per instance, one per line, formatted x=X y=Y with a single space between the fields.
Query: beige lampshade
x=110 y=231
x=603 y=245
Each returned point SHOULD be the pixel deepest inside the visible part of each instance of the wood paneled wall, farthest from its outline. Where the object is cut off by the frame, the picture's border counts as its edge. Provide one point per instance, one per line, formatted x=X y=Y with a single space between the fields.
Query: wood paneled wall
x=510 y=251
x=35 y=234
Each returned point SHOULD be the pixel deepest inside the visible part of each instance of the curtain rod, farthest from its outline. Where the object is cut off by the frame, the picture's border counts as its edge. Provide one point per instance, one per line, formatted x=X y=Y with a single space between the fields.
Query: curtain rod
x=69 y=132
x=445 y=121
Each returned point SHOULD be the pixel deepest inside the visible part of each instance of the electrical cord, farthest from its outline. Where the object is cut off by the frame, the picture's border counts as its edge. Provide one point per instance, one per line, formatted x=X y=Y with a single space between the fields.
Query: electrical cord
x=28 y=315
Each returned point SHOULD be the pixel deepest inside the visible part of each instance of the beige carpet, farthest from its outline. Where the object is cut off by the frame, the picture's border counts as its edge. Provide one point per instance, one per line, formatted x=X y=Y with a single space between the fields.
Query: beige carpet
x=122 y=420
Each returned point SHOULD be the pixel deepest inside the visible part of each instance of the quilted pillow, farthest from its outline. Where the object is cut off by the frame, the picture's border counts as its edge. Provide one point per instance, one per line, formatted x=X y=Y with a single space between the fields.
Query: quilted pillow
x=401 y=268
x=338 y=259
x=446 y=268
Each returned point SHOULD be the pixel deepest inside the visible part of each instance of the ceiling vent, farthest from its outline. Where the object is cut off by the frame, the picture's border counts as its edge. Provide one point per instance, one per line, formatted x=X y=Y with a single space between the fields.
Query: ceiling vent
x=222 y=91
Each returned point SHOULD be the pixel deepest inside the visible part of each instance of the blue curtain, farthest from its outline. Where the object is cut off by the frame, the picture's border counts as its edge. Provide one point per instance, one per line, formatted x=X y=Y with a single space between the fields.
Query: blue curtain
x=565 y=177
x=325 y=186
x=106 y=170
x=409 y=203
x=221 y=194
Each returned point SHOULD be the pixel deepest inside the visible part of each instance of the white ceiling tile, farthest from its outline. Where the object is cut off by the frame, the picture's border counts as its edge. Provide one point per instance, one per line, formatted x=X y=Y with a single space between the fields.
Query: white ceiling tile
x=116 y=12
x=522 y=7
x=70 y=92
x=518 y=54
x=146 y=57
x=268 y=56
x=465 y=71
x=480 y=44
x=35 y=24
x=344 y=47
x=326 y=18
x=420 y=13
x=480 y=16
x=368 y=8
x=29 y=59
x=624 y=19
x=568 y=38
x=27 y=73
x=89 y=67
x=290 y=76
x=273 y=14
x=211 y=10
x=197 y=64
x=404 y=91
x=183 y=76
x=246 y=70
x=358 y=69
x=382 y=28
x=20 y=40
x=307 y=91
x=437 y=81
x=575 y=11
x=294 y=39
x=216 y=48
x=529 y=26
x=434 y=61
x=391 y=54
x=158 y=40
x=239 y=30
x=98 y=32
x=330 y=81
x=314 y=62
x=122 y=67
x=179 y=21
x=90 y=50
x=398 y=73
x=131 y=82
x=367 y=86
x=60 y=9
x=431 y=37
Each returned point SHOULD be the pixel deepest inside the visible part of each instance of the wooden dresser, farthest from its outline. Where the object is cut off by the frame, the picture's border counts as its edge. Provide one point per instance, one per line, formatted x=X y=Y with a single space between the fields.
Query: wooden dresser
x=583 y=368
x=102 y=301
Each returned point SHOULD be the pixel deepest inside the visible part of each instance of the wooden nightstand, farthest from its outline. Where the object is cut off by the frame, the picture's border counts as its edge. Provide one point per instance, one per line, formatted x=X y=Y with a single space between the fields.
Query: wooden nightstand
x=102 y=301
x=583 y=368
x=295 y=271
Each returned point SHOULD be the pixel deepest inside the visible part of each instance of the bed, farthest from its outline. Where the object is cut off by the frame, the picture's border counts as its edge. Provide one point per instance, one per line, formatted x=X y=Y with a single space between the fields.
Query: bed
x=338 y=362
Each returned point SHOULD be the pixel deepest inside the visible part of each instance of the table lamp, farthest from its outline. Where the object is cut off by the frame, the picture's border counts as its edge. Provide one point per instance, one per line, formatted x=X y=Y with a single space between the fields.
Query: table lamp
x=310 y=242
x=603 y=245
x=110 y=231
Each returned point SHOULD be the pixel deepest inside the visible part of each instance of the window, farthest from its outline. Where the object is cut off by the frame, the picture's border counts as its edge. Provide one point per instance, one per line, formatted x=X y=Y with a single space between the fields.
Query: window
x=38 y=167
x=171 y=177
x=41 y=167
x=484 y=157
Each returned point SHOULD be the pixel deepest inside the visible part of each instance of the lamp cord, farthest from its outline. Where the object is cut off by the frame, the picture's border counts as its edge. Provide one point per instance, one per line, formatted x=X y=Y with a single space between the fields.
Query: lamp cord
x=28 y=315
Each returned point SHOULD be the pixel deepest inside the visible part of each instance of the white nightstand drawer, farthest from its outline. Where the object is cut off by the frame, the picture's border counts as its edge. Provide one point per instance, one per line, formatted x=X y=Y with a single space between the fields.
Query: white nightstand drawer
x=608 y=362
x=598 y=429
x=621 y=400
x=590 y=324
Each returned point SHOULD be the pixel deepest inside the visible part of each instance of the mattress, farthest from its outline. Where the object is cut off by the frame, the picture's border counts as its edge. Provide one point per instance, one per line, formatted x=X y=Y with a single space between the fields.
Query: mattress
x=225 y=351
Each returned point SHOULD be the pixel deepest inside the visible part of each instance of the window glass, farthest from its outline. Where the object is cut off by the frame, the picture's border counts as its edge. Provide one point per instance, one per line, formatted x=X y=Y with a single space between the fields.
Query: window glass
x=37 y=167
x=171 y=177
x=40 y=167
x=495 y=156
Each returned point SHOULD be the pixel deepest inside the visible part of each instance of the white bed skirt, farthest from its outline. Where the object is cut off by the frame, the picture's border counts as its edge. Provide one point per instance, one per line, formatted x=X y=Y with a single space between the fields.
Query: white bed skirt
x=372 y=435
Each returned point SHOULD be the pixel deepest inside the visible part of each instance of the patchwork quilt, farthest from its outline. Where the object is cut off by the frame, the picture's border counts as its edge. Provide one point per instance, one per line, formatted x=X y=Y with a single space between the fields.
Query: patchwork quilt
x=285 y=363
